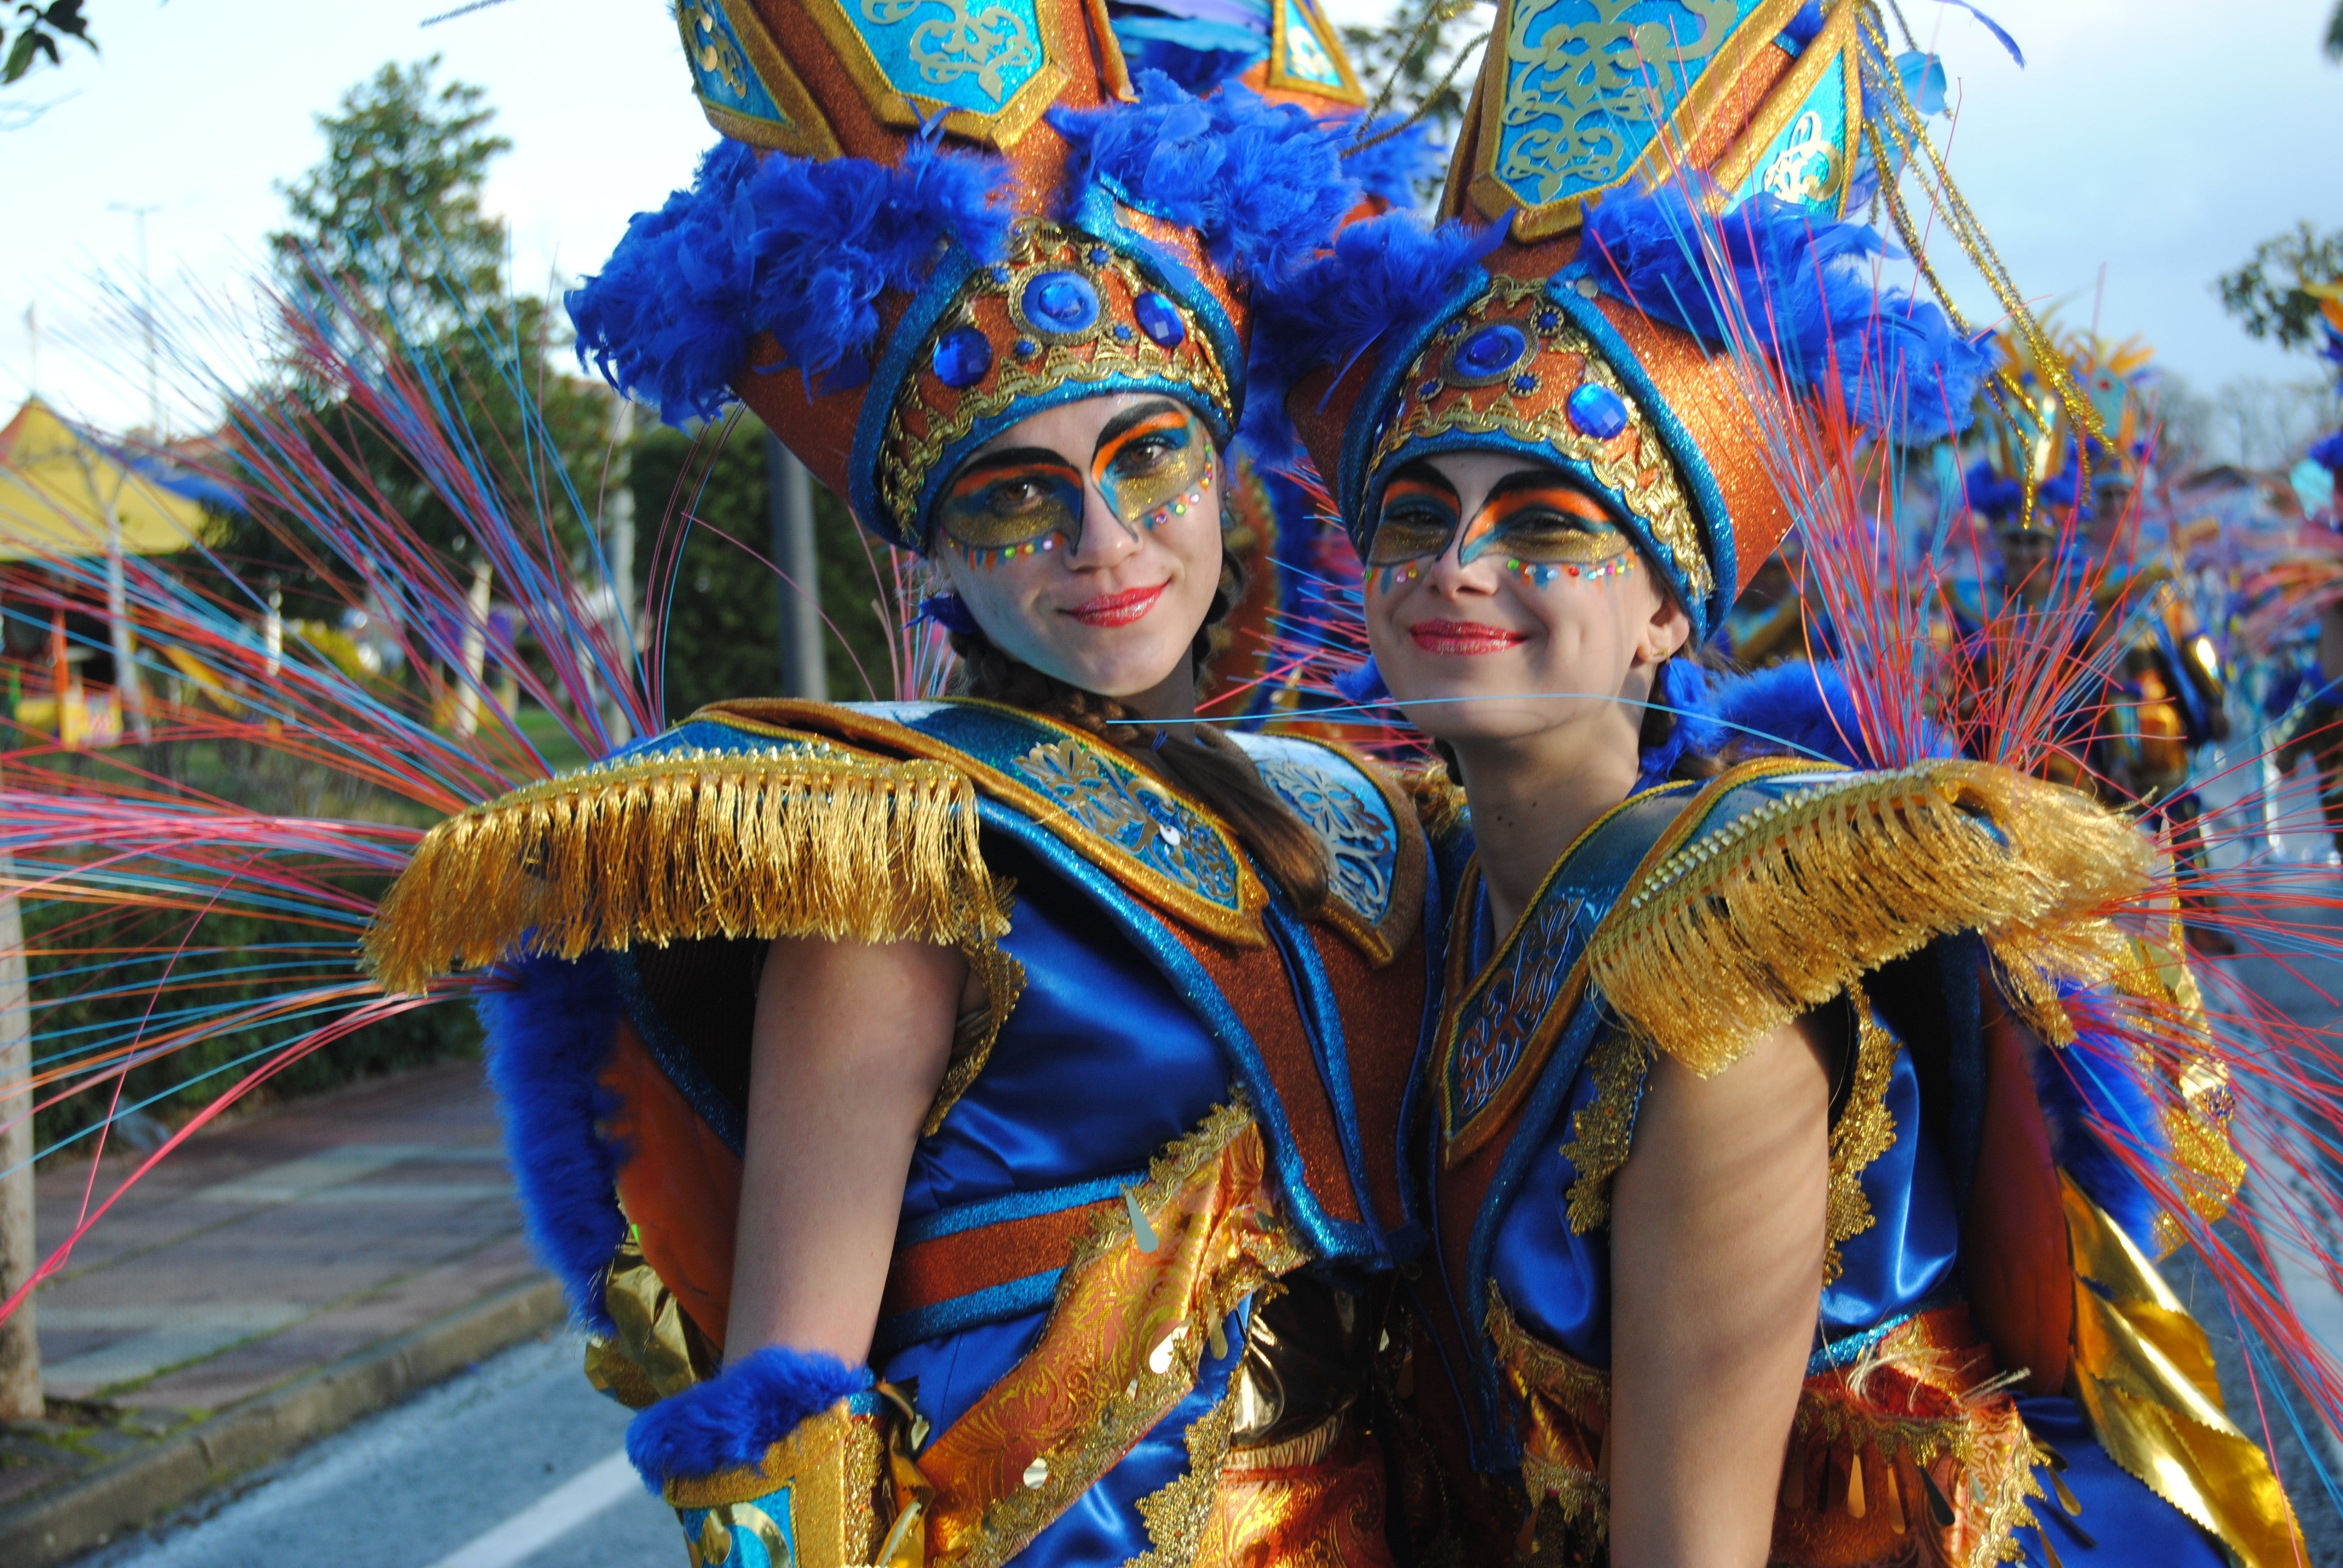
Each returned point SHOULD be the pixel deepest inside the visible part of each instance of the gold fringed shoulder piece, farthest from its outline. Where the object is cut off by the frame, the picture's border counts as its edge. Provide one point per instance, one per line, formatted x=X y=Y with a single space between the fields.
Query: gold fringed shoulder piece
x=1775 y=911
x=809 y=840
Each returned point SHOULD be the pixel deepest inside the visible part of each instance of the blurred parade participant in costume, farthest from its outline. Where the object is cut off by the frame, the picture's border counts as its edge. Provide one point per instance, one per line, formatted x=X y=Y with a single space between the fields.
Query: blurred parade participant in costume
x=934 y=1105
x=1764 y=1228
x=2144 y=693
x=2310 y=589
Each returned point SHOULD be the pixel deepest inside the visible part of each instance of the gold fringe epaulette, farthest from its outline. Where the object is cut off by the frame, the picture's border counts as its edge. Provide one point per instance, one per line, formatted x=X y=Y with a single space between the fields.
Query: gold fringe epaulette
x=809 y=840
x=1752 y=923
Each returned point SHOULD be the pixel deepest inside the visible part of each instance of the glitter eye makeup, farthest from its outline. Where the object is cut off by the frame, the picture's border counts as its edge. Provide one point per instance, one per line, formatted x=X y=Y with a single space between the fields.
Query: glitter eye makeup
x=1542 y=528
x=1012 y=503
x=1152 y=464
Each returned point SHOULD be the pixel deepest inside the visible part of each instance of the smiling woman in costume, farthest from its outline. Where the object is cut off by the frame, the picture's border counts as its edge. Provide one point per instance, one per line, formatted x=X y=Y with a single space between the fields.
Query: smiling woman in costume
x=930 y=1106
x=1751 y=1242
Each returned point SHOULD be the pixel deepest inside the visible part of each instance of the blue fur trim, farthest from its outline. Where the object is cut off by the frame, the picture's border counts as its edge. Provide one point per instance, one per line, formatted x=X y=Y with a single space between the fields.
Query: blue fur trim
x=2327 y=451
x=2096 y=1077
x=1385 y=279
x=1682 y=690
x=1798 y=286
x=1802 y=709
x=735 y=1416
x=765 y=242
x=550 y=1032
x=1804 y=28
x=1261 y=184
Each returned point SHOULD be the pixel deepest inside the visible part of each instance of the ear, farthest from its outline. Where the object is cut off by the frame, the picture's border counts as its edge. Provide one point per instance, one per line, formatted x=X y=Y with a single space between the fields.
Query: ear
x=1665 y=633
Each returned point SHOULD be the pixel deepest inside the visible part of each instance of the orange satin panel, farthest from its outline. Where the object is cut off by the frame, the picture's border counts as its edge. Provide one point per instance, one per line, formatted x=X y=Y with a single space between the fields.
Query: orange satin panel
x=1327 y=1513
x=681 y=1184
x=2021 y=1277
x=928 y=1272
x=1120 y=1349
x=1257 y=985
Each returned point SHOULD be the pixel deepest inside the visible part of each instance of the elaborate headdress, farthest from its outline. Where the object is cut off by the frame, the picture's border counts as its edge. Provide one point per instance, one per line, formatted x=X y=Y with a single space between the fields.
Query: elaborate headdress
x=1664 y=184
x=932 y=218
x=2041 y=454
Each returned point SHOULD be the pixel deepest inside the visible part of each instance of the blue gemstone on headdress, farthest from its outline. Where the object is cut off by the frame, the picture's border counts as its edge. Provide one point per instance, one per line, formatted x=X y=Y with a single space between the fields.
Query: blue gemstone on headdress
x=1159 y=319
x=1524 y=385
x=1598 y=411
x=1098 y=255
x=1428 y=391
x=1000 y=272
x=1489 y=353
x=1060 y=302
x=1027 y=348
x=1548 y=320
x=963 y=357
x=1122 y=332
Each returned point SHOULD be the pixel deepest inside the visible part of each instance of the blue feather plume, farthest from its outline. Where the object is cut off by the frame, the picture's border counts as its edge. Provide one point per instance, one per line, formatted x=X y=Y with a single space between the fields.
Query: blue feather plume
x=1795 y=282
x=1804 y=709
x=730 y=1419
x=798 y=248
x=550 y=1030
x=1261 y=184
x=1383 y=279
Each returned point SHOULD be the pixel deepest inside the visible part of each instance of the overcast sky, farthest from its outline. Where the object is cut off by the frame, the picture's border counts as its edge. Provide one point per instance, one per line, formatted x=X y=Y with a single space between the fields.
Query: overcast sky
x=2158 y=139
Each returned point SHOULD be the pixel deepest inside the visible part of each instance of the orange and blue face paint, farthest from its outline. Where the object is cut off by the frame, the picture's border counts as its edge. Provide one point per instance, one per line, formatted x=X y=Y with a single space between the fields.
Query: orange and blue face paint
x=1546 y=527
x=1151 y=463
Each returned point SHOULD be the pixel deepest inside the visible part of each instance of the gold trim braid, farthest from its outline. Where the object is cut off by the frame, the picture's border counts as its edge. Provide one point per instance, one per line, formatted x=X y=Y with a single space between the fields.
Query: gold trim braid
x=799 y=840
x=1745 y=928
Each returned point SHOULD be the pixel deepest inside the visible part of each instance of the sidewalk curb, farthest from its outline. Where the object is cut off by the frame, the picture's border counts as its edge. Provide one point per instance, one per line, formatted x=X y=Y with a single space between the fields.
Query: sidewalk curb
x=56 y=1526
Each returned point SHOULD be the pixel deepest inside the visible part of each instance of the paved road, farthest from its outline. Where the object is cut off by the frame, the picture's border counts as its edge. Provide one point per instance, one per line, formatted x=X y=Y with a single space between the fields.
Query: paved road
x=514 y=1464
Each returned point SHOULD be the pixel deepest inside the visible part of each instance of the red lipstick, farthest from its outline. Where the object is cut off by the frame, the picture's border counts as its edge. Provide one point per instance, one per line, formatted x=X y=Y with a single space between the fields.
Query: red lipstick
x=1118 y=609
x=1464 y=637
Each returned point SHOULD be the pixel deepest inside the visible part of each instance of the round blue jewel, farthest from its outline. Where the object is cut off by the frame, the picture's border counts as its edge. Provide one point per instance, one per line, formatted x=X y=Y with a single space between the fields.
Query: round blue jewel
x=963 y=357
x=1548 y=320
x=1524 y=385
x=1452 y=330
x=1159 y=319
x=1098 y=255
x=1598 y=411
x=1428 y=391
x=1122 y=332
x=1060 y=302
x=1488 y=353
x=1000 y=273
x=1027 y=348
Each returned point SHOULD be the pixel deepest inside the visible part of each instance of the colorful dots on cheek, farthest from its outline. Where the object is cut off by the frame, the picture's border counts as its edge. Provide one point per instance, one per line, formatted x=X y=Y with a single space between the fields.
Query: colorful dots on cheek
x=990 y=558
x=1542 y=573
x=1392 y=578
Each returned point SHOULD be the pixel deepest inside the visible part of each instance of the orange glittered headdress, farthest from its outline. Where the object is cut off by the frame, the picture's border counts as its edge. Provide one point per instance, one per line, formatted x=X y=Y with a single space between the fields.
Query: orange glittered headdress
x=930 y=220
x=1645 y=203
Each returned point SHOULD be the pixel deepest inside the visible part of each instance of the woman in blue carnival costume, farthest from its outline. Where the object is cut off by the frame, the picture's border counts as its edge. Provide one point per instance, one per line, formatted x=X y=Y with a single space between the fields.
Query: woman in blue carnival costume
x=968 y=1126
x=1756 y=1239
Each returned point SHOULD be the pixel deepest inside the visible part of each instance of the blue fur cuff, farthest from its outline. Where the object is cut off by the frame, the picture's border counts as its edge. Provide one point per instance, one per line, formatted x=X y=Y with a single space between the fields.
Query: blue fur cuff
x=733 y=1418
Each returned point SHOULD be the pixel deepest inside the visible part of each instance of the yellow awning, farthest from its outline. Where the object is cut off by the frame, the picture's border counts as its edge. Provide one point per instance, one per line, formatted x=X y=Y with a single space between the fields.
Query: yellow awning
x=55 y=488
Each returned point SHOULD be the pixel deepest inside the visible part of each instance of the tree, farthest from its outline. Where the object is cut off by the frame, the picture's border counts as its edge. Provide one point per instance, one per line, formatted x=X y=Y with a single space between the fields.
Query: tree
x=2334 y=33
x=393 y=212
x=2267 y=293
x=1423 y=60
x=38 y=29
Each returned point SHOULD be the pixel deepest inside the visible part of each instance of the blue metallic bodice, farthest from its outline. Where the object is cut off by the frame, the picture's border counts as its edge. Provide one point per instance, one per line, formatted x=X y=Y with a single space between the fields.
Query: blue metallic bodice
x=1558 y=1283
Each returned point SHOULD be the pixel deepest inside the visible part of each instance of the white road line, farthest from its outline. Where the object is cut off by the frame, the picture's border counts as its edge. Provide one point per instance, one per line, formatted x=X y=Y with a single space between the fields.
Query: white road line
x=550 y=1518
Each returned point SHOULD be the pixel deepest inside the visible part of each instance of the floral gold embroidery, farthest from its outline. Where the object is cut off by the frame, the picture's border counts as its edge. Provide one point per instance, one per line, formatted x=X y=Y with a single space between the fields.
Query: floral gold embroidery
x=1601 y=1133
x=1865 y=1131
x=1136 y=815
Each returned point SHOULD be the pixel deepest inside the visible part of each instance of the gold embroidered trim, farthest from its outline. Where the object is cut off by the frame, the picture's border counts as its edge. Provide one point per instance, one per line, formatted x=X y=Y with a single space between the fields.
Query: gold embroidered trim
x=1095 y=354
x=1601 y=1133
x=1178 y=1514
x=1124 y=1367
x=1640 y=471
x=1003 y=979
x=792 y=839
x=1865 y=1131
x=1744 y=929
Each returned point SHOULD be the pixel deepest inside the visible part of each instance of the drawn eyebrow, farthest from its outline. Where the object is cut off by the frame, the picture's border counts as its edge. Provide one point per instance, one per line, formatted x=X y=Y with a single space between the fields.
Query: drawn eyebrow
x=1421 y=474
x=1013 y=458
x=1573 y=498
x=1130 y=418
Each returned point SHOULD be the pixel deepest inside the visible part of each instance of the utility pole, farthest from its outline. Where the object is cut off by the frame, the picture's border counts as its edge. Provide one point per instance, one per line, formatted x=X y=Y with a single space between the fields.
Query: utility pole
x=20 y=1349
x=788 y=491
x=146 y=316
x=619 y=545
